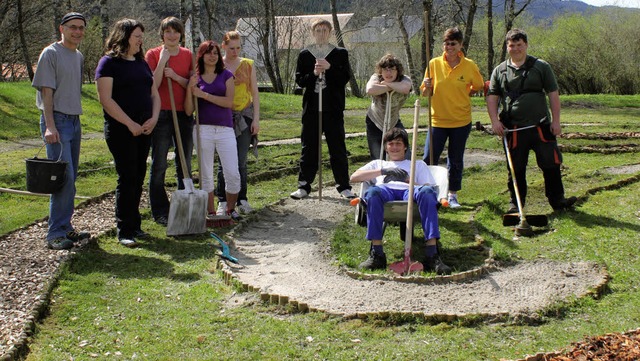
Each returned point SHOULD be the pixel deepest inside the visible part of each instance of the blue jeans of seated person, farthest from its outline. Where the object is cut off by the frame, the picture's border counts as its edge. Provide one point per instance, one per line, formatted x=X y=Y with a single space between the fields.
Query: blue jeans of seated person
x=61 y=203
x=425 y=196
x=455 y=151
x=162 y=139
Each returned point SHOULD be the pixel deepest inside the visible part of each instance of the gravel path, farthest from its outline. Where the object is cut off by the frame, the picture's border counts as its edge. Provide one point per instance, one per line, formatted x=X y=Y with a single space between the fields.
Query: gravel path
x=284 y=252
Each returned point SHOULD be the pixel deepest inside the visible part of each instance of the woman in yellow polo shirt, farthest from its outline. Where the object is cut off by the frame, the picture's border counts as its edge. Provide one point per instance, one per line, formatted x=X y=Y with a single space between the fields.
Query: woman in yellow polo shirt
x=450 y=80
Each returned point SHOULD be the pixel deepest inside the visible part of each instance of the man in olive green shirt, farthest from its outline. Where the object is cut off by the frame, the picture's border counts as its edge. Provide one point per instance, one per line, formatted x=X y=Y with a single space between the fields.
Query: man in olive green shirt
x=521 y=85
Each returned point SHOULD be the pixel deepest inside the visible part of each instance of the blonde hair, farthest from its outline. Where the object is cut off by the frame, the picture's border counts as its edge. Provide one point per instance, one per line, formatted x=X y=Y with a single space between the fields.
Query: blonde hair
x=230 y=35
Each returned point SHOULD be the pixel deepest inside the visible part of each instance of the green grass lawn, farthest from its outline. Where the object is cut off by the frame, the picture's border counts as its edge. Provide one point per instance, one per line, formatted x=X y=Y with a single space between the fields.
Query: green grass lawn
x=165 y=301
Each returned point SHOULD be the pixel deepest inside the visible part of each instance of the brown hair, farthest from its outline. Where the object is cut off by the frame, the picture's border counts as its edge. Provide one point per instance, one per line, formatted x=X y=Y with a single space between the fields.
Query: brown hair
x=117 y=44
x=171 y=23
x=453 y=34
x=390 y=61
x=207 y=47
x=396 y=133
x=516 y=34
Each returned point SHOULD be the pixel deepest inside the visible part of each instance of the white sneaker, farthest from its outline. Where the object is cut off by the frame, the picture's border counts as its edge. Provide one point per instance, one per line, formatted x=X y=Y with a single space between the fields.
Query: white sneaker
x=299 y=194
x=222 y=209
x=245 y=207
x=347 y=193
x=453 y=201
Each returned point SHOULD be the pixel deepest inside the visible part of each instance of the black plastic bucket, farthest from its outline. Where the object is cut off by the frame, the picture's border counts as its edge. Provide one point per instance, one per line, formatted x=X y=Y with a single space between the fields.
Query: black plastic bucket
x=45 y=175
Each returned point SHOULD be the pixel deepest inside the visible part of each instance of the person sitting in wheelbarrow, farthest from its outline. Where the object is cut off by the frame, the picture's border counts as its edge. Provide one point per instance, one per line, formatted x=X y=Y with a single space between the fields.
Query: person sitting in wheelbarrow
x=392 y=184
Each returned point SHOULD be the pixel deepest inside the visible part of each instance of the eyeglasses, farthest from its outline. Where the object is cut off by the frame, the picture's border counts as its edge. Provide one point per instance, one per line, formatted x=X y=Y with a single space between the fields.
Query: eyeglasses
x=450 y=43
x=74 y=27
x=389 y=69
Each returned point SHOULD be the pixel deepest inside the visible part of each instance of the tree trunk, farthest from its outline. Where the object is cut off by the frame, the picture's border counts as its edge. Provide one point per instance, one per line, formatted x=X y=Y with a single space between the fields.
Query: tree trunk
x=468 y=30
x=57 y=18
x=427 y=8
x=104 y=19
x=195 y=30
x=355 y=89
x=490 y=50
x=416 y=77
x=23 y=41
x=266 y=39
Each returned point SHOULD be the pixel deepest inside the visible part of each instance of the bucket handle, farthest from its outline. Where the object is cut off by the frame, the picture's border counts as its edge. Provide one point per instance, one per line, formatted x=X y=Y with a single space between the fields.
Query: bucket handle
x=43 y=145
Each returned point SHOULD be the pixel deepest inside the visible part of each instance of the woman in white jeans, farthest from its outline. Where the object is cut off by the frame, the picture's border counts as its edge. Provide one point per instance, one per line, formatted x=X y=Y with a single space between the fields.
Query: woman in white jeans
x=213 y=86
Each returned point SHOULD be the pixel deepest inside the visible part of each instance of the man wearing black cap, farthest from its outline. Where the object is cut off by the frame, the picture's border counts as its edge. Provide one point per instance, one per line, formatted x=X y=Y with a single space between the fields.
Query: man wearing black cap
x=58 y=80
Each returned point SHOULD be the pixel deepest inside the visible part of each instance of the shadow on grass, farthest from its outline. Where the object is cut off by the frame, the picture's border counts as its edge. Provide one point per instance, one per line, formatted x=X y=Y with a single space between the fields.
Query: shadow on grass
x=94 y=259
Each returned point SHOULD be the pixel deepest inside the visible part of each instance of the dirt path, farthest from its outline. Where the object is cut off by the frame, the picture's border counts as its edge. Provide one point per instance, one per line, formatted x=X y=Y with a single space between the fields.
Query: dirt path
x=284 y=252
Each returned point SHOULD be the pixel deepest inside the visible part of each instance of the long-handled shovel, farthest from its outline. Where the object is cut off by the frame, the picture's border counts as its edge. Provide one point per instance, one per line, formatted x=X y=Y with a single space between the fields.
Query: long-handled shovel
x=523 y=223
x=188 y=207
x=406 y=266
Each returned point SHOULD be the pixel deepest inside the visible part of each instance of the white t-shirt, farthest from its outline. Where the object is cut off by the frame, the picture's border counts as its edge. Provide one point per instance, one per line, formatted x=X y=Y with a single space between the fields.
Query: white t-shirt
x=422 y=177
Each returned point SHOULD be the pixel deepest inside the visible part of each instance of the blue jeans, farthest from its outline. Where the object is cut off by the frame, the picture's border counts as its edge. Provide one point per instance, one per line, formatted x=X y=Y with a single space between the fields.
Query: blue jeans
x=243 y=141
x=455 y=152
x=162 y=139
x=61 y=204
x=425 y=196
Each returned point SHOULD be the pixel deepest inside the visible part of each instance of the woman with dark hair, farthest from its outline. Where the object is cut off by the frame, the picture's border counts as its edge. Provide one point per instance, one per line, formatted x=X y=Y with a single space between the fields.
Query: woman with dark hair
x=214 y=87
x=388 y=83
x=451 y=79
x=131 y=106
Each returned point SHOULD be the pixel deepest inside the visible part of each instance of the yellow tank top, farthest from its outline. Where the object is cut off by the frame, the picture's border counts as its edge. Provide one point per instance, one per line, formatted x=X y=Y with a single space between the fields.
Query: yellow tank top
x=242 y=97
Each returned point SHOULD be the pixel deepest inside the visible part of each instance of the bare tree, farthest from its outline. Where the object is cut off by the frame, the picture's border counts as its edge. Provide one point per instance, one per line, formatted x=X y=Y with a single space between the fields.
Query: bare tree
x=415 y=74
x=104 y=19
x=468 y=29
x=490 y=51
x=23 y=40
x=355 y=90
x=269 y=38
x=510 y=14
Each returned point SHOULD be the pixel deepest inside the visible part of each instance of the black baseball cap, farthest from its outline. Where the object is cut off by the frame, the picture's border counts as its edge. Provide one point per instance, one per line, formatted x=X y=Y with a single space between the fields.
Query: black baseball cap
x=72 y=16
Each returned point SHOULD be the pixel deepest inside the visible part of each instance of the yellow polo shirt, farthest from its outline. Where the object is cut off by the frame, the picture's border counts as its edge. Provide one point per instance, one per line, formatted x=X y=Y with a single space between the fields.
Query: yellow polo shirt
x=450 y=102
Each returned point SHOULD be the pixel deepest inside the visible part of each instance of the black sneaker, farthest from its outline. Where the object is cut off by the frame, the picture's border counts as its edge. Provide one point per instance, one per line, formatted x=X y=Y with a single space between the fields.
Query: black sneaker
x=162 y=220
x=78 y=236
x=564 y=203
x=512 y=208
x=436 y=265
x=375 y=261
x=60 y=243
x=140 y=234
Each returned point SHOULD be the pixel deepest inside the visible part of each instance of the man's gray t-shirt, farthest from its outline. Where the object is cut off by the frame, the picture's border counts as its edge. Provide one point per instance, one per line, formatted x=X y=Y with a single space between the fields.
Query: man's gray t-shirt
x=60 y=69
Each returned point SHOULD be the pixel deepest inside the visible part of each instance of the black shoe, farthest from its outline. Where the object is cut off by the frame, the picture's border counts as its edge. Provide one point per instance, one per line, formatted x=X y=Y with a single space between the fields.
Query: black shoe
x=564 y=203
x=60 y=243
x=512 y=209
x=140 y=234
x=375 y=261
x=436 y=265
x=162 y=220
x=78 y=236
